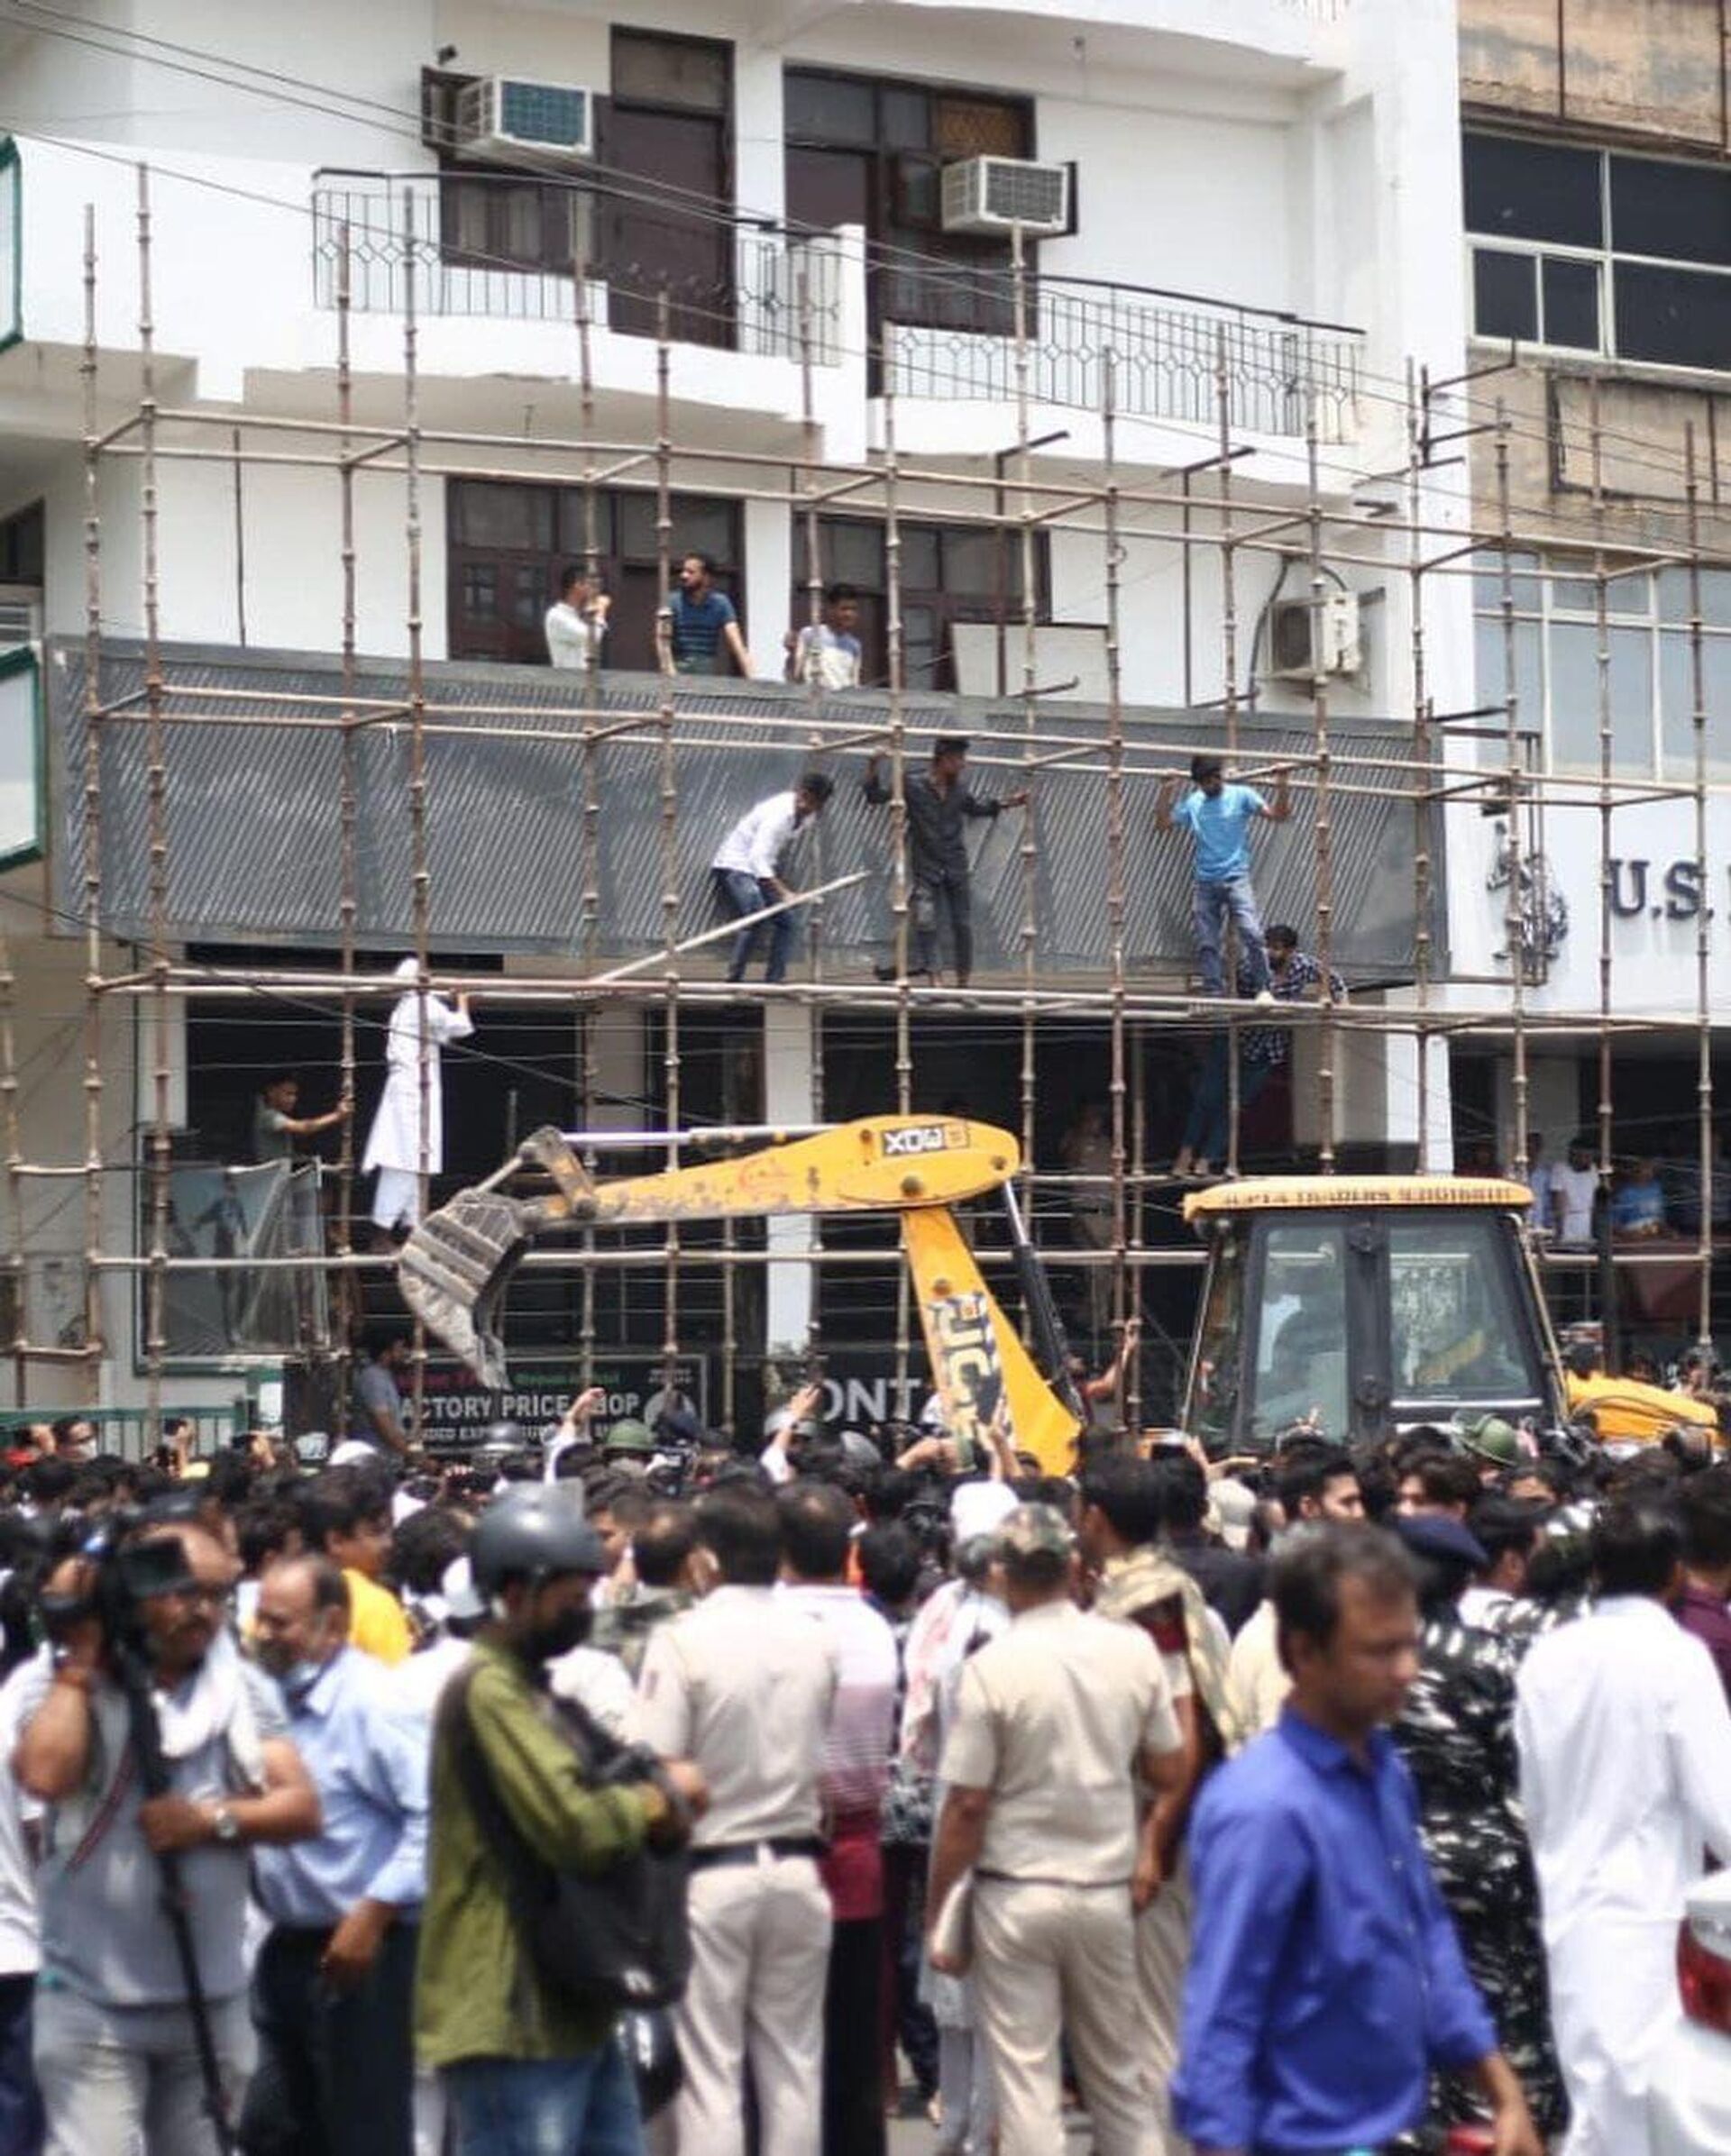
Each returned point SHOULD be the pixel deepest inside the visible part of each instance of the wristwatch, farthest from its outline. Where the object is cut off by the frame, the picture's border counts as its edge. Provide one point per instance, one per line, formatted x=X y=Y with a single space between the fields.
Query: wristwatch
x=225 y=1827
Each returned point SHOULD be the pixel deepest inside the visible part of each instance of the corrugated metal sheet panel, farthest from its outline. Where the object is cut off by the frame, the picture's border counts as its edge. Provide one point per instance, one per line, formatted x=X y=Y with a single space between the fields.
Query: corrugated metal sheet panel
x=252 y=814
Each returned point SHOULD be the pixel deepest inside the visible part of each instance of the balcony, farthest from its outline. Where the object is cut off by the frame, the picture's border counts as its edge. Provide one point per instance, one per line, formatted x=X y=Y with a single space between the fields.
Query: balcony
x=1169 y=355
x=394 y=222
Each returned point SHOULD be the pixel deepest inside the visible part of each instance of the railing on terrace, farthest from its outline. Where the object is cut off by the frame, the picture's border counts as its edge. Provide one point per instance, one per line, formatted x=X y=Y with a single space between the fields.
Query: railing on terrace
x=1169 y=355
x=755 y=310
x=1170 y=351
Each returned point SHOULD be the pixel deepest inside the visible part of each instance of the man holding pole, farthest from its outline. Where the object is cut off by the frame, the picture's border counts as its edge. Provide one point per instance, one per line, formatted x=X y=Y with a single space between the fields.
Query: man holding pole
x=160 y=1758
x=1218 y=818
x=747 y=866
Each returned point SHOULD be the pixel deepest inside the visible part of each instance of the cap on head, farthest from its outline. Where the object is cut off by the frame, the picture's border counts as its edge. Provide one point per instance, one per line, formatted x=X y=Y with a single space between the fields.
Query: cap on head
x=627 y=1435
x=1035 y=1530
x=535 y=1531
x=1437 y=1536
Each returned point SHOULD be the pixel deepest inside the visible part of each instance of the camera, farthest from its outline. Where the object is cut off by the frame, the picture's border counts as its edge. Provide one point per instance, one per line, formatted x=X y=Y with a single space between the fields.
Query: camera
x=125 y=1573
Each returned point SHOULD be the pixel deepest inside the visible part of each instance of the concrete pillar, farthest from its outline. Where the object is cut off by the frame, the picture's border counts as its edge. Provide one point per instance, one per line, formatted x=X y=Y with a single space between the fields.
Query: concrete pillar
x=769 y=582
x=790 y=1057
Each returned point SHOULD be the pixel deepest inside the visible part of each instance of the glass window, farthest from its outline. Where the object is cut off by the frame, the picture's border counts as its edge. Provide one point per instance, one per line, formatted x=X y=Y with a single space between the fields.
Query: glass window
x=829 y=109
x=1300 y=1338
x=1675 y=603
x=573 y=522
x=1570 y=290
x=1492 y=668
x=978 y=127
x=904 y=118
x=480 y=589
x=1215 y=1394
x=1523 y=579
x=1677 y=704
x=1517 y=189
x=21 y=781
x=919 y=570
x=22 y=541
x=663 y=71
x=974 y=560
x=1680 y=213
x=1678 y=317
x=1454 y=1332
x=502 y=515
x=1505 y=295
x=1575 y=696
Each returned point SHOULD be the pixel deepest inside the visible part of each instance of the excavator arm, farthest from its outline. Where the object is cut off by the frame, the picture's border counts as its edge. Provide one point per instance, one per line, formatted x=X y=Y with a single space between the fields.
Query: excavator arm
x=456 y=1265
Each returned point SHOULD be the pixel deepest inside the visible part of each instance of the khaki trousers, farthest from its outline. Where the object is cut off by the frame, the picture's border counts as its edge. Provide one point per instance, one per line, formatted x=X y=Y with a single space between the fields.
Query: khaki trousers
x=1162 y=1955
x=760 y=1949
x=1052 y=1962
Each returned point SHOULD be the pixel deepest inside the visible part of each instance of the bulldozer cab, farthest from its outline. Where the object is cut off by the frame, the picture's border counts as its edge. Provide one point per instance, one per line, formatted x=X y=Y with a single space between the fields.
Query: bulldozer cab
x=1362 y=1304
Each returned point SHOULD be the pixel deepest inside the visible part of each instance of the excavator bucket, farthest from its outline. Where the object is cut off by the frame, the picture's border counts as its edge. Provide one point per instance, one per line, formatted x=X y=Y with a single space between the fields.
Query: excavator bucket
x=456 y=1265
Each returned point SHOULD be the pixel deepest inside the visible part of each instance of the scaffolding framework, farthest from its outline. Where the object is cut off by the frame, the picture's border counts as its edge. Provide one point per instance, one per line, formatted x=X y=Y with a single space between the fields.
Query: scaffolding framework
x=1485 y=755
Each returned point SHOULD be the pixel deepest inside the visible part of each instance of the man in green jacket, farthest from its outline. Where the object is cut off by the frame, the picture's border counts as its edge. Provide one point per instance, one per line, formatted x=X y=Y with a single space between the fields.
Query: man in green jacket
x=526 y=2070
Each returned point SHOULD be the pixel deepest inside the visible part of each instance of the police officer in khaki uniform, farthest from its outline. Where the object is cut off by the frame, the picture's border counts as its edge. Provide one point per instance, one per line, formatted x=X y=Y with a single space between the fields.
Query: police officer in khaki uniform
x=744 y=1683
x=1054 y=1723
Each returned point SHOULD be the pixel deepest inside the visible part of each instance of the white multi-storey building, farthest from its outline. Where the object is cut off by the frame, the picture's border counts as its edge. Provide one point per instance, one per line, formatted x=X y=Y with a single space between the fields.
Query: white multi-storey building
x=1240 y=223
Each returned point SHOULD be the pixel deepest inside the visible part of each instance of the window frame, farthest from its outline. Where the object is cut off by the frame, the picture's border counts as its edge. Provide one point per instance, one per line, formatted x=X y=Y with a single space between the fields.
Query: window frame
x=1605 y=256
x=22 y=659
x=1654 y=622
x=12 y=192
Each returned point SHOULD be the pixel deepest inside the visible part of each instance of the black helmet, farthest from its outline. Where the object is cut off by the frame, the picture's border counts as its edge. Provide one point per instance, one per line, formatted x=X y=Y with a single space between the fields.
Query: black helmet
x=533 y=1531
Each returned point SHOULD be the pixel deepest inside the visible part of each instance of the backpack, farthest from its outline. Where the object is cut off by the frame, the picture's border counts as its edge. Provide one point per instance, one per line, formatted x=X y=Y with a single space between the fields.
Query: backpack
x=617 y=1941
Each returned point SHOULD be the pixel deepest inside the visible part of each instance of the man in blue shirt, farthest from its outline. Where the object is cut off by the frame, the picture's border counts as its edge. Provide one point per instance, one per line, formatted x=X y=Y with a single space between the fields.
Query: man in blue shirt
x=698 y=620
x=1218 y=818
x=333 y=1991
x=1326 y=1981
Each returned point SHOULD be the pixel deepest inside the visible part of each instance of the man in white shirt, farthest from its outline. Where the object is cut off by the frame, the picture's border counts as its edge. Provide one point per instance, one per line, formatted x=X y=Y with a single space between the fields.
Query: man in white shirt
x=1624 y=1747
x=828 y=655
x=576 y=621
x=1573 y=1186
x=409 y=1124
x=746 y=870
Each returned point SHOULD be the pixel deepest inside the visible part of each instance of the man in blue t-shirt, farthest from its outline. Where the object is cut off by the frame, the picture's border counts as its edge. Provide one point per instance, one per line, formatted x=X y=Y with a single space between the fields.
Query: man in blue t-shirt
x=1218 y=818
x=698 y=621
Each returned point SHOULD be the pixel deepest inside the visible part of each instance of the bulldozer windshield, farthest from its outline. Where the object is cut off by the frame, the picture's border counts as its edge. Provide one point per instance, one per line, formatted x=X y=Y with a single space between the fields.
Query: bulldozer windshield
x=1351 y=1321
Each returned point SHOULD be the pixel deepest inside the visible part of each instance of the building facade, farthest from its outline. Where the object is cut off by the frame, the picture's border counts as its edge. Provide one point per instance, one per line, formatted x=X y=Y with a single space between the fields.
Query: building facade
x=437 y=299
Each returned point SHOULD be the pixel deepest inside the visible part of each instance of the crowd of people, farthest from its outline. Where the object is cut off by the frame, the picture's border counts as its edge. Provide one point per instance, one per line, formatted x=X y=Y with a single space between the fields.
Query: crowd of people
x=1307 y=1802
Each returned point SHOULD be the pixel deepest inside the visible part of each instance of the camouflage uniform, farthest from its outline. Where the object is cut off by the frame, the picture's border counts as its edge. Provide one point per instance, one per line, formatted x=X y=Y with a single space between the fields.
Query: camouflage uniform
x=1456 y=1733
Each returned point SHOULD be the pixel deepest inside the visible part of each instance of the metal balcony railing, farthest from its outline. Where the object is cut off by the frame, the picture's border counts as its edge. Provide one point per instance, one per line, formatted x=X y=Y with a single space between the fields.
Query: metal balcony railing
x=754 y=307
x=1169 y=353
x=1168 y=357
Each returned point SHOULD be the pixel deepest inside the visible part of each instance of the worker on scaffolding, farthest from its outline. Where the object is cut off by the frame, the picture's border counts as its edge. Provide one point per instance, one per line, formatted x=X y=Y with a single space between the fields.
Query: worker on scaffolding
x=939 y=804
x=746 y=870
x=1218 y=818
x=420 y=1024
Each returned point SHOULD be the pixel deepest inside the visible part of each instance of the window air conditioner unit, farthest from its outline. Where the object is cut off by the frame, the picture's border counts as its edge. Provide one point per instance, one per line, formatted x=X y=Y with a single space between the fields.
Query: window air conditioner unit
x=1305 y=640
x=996 y=193
x=504 y=120
x=21 y=615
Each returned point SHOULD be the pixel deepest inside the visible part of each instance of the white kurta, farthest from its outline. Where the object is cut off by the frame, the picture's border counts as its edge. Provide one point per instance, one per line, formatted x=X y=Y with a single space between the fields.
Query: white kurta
x=395 y=1138
x=1625 y=1774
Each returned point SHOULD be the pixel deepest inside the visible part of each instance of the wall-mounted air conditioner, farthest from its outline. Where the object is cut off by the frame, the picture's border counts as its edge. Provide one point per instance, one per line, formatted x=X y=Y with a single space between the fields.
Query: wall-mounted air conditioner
x=996 y=193
x=506 y=120
x=1308 y=638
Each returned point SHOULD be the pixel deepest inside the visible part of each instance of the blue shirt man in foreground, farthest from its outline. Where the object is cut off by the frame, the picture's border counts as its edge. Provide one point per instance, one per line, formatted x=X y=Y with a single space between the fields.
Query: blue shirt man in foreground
x=333 y=1992
x=1218 y=818
x=1326 y=1982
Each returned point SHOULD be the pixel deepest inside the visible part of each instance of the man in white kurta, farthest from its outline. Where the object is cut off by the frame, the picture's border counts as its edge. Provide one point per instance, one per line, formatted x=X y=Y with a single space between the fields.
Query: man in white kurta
x=1625 y=1776
x=394 y=1142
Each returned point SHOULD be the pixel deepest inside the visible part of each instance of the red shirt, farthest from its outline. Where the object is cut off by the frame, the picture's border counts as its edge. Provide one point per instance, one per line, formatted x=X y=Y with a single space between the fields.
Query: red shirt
x=1709 y=1616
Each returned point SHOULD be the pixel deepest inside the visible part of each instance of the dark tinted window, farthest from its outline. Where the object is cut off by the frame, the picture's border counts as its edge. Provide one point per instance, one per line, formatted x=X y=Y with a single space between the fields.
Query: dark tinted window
x=1680 y=212
x=1679 y=317
x=1570 y=302
x=686 y=72
x=1504 y=298
x=1519 y=190
x=831 y=108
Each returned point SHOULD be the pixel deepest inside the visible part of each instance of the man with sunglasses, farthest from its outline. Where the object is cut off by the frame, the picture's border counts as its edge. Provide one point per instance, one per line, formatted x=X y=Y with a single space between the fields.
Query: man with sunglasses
x=116 y=2051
